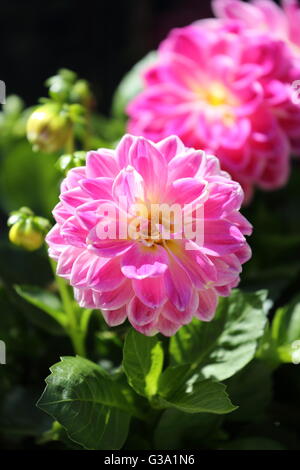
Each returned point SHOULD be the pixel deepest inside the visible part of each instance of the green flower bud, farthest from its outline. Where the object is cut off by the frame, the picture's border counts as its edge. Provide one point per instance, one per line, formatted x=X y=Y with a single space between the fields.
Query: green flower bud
x=49 y=127
x=60 y=85
x=27 y=230
x=24 y=235
x=81 y=93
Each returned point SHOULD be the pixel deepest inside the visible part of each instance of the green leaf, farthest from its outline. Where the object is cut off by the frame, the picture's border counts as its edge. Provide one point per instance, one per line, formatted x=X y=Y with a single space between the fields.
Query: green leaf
x=142 y=362
x=93 y=407
x=173 y=377
x=267 y=350
x=225 y=345
x=205 y=396
x=131 y=84
x=285 y=332
x=286 y=323
x=44 y=300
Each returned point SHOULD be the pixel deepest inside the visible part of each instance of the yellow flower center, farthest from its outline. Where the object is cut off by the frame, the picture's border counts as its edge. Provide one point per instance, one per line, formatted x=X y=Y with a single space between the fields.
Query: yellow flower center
x=217 y=101
x=216 y=95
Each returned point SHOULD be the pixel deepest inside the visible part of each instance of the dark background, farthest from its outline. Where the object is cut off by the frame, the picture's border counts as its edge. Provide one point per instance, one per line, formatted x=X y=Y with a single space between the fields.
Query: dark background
x=99 y=40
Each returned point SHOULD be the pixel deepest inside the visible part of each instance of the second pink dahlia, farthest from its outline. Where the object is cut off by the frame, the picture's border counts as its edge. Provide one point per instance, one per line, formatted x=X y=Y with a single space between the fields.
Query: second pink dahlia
x=153 y=280
x=228 y=91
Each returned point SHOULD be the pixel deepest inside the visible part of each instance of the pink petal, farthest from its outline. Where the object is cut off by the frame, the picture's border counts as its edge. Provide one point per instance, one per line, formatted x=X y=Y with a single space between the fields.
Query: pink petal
x=141 y=261
x=184 y=317
x=221 y=238
x=105 y=274
x=238 y=10
x=109 y=248
x=190 y=42
x=115 y=299
x=243 y=254
x=139 y=313
x=61 y=213
x=66 y=260
x=73 y=198
x=151 y=165
x=208 y=301
x=84 y=297
x=101 y=163
x=167 y=327
x=185 y=165
x=98 y=188
x=73 y=177
x=228 y=268
x=87 y=214
x=170 y=147
x=122 y=150
x=55 y=241
x=196 y=264
x=114 y=317
x=73 y=233
x=223 y=198
x=129 y=185
x=241 y=222
x=178 y=285
x=80 y=269
x=151 y=291
x=185 y=191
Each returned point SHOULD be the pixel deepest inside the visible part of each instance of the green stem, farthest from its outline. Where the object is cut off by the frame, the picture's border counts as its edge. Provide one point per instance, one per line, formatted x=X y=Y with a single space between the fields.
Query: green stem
x=85 y=318
x=76 y=331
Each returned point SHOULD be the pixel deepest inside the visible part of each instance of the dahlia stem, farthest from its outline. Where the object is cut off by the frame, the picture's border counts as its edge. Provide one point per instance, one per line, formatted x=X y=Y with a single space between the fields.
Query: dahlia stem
x=85 y=318
x=75 y=329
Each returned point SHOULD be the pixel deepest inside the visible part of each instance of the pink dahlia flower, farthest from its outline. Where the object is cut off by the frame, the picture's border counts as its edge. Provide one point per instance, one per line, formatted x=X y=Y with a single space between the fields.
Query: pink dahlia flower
x=152 y=279
x=264 y=15
x=227 y=91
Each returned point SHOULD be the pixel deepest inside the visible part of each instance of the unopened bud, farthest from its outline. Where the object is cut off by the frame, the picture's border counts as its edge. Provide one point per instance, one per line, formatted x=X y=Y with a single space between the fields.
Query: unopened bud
x=81 y=93
x=49 y=127
x=27 y=230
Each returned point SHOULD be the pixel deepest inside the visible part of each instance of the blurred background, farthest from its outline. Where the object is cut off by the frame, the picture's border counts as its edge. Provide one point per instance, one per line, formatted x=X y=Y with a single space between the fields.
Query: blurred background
x=100 y=40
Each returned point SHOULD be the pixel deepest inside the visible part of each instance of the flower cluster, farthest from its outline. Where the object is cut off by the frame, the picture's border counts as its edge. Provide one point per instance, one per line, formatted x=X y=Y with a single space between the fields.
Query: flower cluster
x=157 y=282
x=227 y=89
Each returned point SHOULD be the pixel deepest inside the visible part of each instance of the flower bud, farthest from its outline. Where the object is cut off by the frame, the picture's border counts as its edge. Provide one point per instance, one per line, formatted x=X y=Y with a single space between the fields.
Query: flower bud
x=49 y=127
x=24 y=235
x=81 y=93
x=60 y=85
x=27 y=230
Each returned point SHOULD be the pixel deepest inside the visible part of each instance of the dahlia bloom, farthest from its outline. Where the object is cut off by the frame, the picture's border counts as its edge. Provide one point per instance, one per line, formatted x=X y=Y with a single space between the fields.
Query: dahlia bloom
x=228 y=91
x=264 y=15
x=149 y=278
